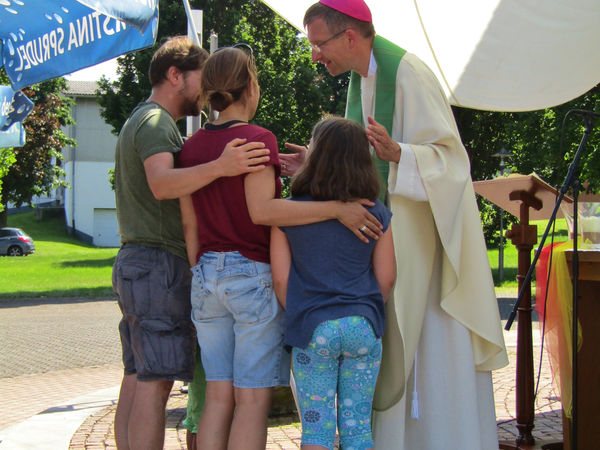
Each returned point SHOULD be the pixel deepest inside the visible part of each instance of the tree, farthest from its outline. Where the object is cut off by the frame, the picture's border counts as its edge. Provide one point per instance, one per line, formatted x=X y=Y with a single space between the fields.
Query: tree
x=7 y=159
x=544 y=142
x=538 y=141
x=36 y=168
x=118 y=98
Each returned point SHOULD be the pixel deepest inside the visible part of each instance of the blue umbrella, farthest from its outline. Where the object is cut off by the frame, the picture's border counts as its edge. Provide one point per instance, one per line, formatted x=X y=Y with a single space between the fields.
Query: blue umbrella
x=14 y=107
x=44 y=39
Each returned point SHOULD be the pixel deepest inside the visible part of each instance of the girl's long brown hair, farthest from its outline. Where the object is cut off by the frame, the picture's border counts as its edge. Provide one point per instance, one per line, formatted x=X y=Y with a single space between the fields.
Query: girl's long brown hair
x=339 y=165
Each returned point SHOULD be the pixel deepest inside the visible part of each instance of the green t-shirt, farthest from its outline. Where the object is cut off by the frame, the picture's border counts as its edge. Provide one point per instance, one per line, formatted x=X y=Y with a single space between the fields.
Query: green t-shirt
x=144 y=220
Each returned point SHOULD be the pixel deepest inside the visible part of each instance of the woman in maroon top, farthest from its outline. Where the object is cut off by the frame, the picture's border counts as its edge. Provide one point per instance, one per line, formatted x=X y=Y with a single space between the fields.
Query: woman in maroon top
x=226 y=225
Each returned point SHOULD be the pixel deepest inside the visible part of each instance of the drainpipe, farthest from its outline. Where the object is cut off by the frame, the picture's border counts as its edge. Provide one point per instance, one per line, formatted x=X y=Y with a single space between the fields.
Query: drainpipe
x=73 y=159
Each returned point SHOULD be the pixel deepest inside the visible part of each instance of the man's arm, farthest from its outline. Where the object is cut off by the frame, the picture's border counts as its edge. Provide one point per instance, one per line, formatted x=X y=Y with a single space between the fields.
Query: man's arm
x=168 y=182
x=190 y=228
x=281 y=261
x=264 y=209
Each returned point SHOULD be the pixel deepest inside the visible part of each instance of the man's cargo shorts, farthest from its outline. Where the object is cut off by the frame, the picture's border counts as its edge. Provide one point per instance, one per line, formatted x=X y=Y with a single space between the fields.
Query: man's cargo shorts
x=157 y=334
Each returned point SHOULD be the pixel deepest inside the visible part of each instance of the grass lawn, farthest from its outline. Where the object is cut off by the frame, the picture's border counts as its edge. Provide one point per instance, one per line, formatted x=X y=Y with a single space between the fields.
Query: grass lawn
x=61 y=266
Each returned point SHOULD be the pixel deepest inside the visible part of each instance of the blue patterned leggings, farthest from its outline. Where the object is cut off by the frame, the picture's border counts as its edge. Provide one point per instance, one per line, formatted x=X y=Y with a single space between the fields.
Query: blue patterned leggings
x=343 y=357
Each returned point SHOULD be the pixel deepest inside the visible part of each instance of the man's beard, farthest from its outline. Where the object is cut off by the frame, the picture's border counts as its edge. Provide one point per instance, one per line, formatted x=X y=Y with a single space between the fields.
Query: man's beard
x=190 y=107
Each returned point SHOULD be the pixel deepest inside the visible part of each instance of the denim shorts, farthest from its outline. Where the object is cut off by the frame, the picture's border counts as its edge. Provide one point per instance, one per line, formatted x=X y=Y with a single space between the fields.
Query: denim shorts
x=153 y=292
x=238 y=321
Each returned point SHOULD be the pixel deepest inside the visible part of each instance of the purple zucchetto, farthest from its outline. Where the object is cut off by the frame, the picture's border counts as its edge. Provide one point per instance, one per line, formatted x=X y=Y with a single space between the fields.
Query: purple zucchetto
x=353 y=8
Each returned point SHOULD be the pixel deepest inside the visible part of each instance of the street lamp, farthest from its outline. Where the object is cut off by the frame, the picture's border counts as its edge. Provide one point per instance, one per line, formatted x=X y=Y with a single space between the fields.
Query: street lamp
x=503 y=153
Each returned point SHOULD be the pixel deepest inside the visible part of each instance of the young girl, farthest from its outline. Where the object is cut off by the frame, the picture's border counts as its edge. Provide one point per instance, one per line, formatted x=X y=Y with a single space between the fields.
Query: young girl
x=238 y=320
x=333 y=288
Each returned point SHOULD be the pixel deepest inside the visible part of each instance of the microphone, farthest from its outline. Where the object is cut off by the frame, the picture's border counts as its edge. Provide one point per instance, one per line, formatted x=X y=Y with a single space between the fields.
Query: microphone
x=584 y=113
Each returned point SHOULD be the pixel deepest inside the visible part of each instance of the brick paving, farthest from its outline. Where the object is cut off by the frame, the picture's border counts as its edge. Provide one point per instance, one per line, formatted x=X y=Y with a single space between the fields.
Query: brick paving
x=97 y=430
x=548 y=419
x=27 y=395
x=54 y=350
x=80 y=338
x=286 y=434
x=43 y=335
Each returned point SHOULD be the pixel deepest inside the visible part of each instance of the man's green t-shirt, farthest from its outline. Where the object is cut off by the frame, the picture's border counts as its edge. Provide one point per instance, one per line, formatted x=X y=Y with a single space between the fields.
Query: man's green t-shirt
x=144 y=220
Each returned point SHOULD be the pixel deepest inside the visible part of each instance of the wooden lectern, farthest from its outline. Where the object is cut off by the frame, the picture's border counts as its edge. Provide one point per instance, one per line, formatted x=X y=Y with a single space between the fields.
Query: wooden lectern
x=527 y=197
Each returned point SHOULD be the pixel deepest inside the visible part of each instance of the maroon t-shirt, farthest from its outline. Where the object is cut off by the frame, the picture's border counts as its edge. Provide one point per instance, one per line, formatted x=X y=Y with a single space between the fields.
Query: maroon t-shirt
x=224 y=224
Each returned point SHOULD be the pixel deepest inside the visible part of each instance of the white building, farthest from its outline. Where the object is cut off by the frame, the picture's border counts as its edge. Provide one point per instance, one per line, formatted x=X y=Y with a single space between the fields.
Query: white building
x=90 y=210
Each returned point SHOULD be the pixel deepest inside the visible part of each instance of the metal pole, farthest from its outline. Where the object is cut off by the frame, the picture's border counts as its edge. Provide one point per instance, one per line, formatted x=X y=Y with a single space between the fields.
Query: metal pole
x=503 y=153
x=214 y=42
x=194 y=32
x=501 y=248
x=214 y=46
x=191 y=25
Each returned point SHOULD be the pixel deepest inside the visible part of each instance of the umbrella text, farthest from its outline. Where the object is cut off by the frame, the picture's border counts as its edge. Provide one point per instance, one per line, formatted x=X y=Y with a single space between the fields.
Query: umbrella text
x=81 y=32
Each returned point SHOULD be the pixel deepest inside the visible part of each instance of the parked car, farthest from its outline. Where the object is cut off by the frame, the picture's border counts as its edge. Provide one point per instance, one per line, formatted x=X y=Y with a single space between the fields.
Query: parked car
x=14 y=242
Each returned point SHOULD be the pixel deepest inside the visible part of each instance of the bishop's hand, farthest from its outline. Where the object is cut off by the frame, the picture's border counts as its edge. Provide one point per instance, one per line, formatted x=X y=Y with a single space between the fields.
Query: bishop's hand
x=385 y=148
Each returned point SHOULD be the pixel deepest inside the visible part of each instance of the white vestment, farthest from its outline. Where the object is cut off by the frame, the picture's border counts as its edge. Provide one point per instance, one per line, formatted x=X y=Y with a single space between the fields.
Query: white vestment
x=443 y=307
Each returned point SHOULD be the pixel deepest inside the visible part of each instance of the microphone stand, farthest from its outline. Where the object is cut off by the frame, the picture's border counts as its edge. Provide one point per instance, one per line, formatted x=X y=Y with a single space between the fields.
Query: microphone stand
x=570 y=180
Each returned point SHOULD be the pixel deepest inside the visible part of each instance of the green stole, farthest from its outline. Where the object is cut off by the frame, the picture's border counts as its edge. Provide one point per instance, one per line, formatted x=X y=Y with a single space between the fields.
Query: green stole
x=387 y=56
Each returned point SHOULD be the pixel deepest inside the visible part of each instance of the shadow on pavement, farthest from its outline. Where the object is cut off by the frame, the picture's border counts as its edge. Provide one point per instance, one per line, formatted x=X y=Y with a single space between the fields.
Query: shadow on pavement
x=37 y=301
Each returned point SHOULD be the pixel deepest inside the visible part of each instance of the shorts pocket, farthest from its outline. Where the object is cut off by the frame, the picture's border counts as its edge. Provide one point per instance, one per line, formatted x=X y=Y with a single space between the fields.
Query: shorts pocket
x=167 y=350
x=199 y=291
x=250 y=299
x=133 y=284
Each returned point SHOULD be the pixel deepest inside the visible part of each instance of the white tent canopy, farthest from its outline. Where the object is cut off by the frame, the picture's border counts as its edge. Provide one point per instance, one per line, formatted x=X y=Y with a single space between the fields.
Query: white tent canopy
x=500 y=55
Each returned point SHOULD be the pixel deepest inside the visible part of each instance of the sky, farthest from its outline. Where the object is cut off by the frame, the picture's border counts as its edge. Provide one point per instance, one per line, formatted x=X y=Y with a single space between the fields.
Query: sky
x=107 y=68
